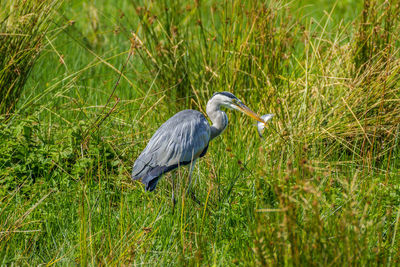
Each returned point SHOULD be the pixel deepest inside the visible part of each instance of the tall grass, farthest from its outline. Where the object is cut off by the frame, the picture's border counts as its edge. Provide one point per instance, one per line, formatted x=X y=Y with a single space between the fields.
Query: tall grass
x=23 y=25
x=321 y=189
x=330 y=85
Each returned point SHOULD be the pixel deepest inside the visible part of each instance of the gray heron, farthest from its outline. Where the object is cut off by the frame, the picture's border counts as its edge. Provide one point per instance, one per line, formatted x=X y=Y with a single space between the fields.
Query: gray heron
x=184 y=138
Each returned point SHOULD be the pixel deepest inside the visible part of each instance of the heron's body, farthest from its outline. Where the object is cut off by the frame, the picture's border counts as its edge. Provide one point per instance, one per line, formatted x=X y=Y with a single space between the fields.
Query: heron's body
x=184 y=138
x=164 y=153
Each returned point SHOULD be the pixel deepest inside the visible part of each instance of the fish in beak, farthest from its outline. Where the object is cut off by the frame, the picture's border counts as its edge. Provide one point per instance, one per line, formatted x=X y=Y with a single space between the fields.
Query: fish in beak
x=261 y=121
x=261 y=125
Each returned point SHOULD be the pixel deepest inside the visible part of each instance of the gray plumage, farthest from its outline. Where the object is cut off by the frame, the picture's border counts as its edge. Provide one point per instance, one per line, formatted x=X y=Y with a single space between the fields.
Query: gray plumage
x=184 y=138
x=179 y=141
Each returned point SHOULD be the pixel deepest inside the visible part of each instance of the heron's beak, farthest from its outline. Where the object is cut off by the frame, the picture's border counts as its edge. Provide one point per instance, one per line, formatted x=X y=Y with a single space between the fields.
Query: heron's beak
x=243 y=108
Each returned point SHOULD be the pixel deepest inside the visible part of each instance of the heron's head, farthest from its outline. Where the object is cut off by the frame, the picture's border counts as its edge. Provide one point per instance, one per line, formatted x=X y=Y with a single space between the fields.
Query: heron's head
x=230 y=101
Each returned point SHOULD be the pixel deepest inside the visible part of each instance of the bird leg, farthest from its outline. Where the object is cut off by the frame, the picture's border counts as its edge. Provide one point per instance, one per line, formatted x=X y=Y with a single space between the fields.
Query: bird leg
x=190 y=175
x=190 y=183
x=173 y=194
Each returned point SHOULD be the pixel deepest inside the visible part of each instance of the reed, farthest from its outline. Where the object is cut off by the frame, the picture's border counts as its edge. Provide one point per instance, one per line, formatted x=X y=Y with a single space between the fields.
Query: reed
x=23 y=25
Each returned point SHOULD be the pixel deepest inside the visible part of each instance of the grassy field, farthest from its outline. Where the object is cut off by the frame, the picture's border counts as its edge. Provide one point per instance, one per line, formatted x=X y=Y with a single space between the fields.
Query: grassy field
x=322 y=188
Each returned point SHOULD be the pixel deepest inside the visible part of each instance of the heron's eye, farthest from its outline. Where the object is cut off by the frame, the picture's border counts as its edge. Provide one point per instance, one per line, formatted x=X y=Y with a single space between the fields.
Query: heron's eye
x=237 y=102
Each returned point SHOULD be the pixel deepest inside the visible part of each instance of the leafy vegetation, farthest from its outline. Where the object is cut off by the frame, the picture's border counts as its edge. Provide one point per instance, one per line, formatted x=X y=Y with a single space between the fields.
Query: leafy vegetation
x=322 y=189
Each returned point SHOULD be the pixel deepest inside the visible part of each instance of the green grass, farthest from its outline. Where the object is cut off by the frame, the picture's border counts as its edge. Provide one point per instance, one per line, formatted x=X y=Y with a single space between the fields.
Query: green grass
x=23 y=26
x=323 y=188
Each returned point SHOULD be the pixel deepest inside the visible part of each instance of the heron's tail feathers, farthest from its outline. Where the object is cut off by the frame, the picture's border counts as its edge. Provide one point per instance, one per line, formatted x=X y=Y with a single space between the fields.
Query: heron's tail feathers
x=149 y=175
x=152 y=183
x=139 y=168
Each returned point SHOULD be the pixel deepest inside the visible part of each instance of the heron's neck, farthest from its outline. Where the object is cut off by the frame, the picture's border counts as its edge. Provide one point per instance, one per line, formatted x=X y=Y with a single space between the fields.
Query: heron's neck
x=218 y=118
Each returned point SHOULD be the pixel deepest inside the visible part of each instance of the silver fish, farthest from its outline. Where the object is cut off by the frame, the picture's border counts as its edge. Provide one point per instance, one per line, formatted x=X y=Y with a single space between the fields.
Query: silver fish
x=261 y=126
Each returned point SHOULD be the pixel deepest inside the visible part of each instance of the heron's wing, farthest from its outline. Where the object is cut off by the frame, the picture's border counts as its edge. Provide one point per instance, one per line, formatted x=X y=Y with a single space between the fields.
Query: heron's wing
x=179 y=141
